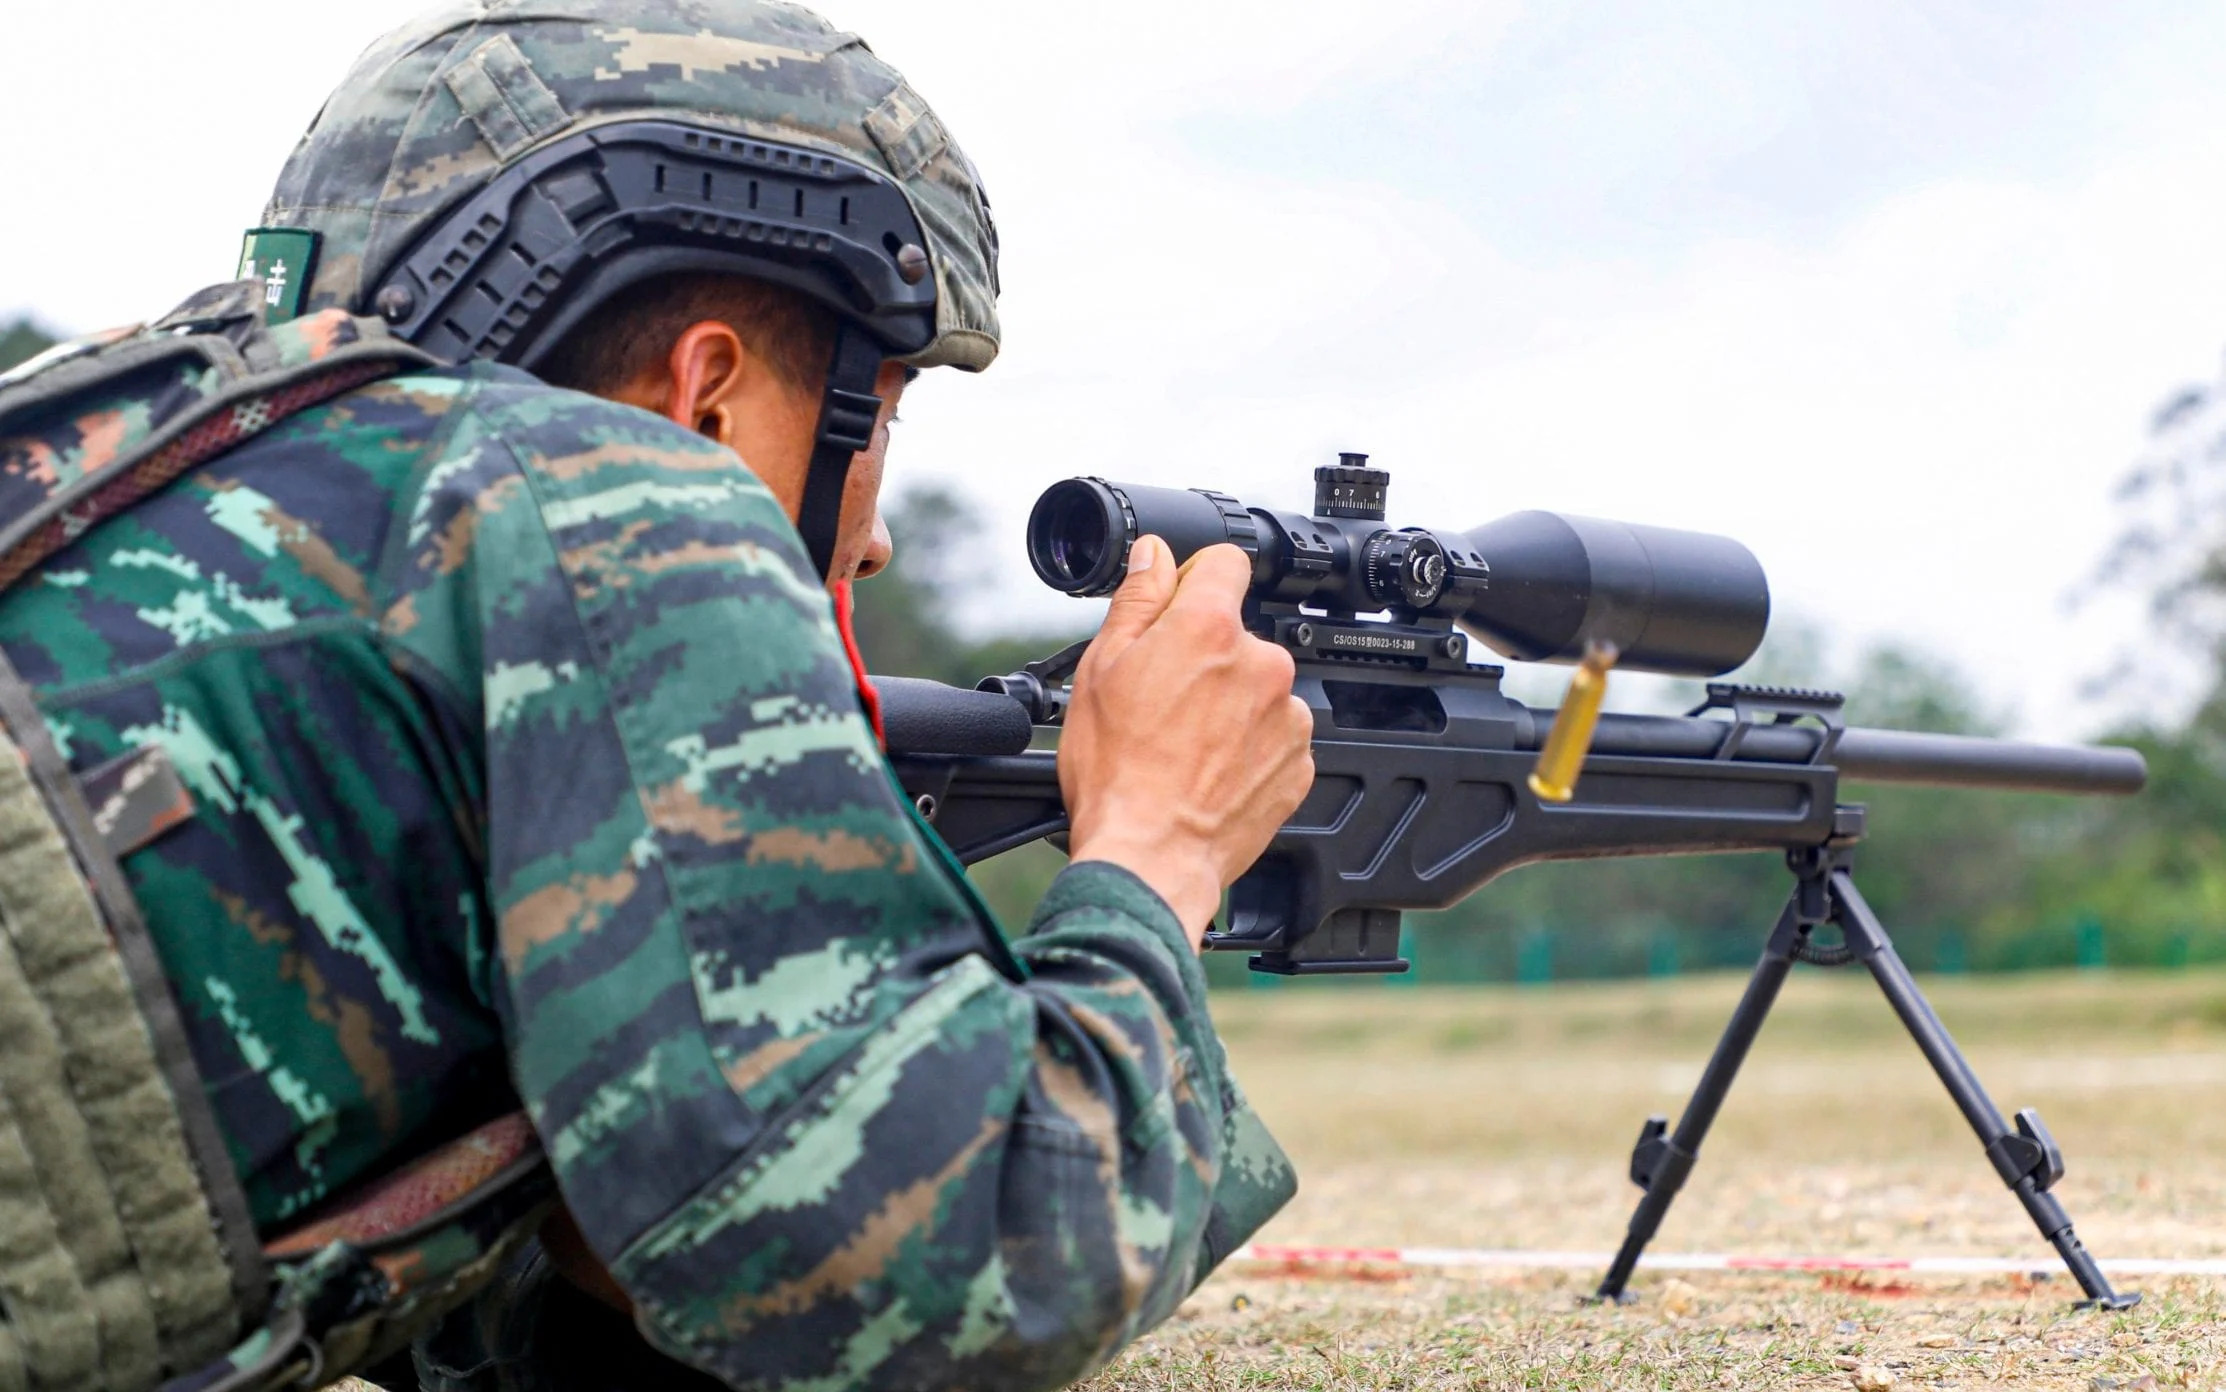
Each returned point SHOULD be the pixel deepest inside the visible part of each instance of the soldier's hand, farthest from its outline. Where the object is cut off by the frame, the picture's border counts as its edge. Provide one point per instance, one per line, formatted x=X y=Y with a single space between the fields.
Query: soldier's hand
x=1184 y=747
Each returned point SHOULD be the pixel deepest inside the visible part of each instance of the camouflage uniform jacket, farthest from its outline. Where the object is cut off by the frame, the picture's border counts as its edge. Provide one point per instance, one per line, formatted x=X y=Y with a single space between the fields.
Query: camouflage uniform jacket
x=527 y=757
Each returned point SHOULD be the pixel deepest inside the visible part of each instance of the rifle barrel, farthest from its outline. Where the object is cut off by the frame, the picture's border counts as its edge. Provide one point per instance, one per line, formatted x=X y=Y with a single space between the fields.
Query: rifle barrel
x=1962 y=761
x=1884 y=756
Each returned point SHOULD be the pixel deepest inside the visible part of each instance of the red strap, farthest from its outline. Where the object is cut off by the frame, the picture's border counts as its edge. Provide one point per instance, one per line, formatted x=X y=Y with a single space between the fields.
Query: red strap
x=420 y=1191
x=867 y=696
x=342 y=361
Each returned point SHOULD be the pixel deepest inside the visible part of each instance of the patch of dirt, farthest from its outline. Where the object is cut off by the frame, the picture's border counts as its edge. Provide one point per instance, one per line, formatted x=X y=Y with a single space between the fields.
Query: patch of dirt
x=1504 y=1118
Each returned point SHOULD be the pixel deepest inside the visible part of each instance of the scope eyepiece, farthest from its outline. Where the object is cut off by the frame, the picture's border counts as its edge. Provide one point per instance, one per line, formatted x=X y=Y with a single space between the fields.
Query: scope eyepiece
x=1081 y=529
x=1078 y=537
x=1535 y=586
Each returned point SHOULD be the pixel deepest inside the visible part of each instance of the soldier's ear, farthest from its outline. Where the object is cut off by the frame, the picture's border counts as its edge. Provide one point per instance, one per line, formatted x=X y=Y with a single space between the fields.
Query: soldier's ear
x=708 y=367
x=717 y=424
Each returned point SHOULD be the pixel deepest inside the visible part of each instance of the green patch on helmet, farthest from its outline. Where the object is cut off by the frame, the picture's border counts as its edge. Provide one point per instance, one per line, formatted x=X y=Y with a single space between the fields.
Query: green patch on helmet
x=285 y=260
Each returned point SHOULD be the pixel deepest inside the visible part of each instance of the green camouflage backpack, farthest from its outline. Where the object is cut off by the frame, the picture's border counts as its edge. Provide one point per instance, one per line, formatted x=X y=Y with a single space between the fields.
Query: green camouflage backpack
x=127 y=1257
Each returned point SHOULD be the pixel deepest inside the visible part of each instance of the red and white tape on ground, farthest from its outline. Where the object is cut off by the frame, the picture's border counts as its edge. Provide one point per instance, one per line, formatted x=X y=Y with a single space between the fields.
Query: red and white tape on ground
x=1309 y=1258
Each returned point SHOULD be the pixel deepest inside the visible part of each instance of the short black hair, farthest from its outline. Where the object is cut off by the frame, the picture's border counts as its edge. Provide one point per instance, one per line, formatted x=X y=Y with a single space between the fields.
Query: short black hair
x=631 y=332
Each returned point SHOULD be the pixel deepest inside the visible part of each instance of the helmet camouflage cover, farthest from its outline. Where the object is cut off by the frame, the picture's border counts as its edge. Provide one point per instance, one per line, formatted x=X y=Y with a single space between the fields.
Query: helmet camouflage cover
x=439 y=107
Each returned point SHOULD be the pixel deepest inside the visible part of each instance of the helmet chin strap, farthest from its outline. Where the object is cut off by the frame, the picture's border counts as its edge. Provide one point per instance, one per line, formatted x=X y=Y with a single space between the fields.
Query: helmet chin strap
x=846 y=418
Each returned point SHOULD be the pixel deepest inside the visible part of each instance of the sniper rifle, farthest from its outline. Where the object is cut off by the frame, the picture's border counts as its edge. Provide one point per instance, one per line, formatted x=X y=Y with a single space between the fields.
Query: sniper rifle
x=1430 y=781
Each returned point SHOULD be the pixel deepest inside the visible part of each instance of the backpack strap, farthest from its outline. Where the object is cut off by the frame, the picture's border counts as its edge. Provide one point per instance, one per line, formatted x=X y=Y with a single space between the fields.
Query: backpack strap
x=256 y=383
x=389 y=1261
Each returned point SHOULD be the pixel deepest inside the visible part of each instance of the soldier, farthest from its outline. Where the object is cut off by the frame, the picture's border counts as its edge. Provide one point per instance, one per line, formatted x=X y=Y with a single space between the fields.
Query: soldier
x=526 y=765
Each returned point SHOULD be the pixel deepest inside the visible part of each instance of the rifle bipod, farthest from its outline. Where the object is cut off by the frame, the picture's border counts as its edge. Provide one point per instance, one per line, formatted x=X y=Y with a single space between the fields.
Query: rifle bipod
x=1824 y=892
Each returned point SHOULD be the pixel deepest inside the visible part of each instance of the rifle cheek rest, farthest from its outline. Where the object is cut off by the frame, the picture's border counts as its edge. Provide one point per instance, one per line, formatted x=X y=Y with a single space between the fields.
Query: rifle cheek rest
x=928 y=717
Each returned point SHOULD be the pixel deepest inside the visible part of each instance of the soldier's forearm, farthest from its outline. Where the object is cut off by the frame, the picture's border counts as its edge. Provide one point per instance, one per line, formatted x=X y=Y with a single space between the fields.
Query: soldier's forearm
x=998 y=1187
x=1253 y=1177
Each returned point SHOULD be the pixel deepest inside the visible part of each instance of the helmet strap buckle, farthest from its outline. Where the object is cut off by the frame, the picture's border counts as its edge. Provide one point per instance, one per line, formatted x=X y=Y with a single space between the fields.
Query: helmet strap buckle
x=847 y=415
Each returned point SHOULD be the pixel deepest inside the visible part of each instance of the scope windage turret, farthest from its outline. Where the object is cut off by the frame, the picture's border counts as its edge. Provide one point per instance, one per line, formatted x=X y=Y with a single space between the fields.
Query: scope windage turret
x=1536 y=586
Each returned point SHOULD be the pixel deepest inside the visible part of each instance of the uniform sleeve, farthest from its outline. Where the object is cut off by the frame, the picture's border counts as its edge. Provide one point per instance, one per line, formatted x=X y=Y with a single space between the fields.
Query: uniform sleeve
x=823 y=1125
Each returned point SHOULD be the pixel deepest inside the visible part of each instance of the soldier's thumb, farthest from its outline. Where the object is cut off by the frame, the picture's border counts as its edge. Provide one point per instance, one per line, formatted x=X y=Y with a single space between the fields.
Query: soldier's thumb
x=1142 y=598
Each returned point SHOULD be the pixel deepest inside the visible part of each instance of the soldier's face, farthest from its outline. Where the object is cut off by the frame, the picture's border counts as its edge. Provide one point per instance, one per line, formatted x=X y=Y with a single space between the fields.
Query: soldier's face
x=862 y=547
x=714 y=384
x=772 y=425
x=776 y=442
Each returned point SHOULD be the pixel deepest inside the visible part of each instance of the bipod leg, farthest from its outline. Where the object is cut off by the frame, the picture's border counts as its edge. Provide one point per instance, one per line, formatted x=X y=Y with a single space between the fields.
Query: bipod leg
x=2026 y=1157
x=1660 y=1162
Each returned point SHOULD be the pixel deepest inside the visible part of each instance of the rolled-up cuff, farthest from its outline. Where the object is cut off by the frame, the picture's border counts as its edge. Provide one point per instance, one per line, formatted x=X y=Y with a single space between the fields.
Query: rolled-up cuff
x=1105 y=887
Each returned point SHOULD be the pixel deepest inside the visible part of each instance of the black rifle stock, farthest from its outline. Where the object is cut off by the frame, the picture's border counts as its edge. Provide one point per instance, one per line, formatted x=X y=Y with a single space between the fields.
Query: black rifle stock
x=1424 y=789
x=1420 y=818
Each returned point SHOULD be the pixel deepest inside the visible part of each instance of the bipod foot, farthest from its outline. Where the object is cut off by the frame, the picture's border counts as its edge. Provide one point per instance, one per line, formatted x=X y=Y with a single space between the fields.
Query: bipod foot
x=1604 y=1296
x=2025 y=1156
x=2049 y=1215
x=2116 y=1300
x=1663 y=1158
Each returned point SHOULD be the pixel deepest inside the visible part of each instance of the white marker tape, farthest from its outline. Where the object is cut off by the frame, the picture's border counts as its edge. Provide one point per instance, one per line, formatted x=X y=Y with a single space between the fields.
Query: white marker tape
x=1523 y=1260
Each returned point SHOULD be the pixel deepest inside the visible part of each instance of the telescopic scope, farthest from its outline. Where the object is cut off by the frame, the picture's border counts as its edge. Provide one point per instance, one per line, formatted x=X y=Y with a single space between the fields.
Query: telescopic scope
x=1534 y=586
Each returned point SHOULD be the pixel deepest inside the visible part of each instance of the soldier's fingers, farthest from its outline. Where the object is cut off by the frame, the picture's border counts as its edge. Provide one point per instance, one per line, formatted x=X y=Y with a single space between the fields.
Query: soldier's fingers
x=1142 y=598
x=1214 y=579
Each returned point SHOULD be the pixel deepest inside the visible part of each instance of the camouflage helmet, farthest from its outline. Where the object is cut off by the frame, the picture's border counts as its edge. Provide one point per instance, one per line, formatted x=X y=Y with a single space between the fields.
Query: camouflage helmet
x=391 y=177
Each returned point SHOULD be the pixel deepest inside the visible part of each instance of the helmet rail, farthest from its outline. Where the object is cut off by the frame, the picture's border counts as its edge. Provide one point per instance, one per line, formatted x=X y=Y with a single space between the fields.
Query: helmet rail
x=507 y=272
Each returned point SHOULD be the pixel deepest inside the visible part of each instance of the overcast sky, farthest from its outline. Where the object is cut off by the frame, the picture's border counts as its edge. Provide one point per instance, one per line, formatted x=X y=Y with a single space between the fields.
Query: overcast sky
x=1887 y=290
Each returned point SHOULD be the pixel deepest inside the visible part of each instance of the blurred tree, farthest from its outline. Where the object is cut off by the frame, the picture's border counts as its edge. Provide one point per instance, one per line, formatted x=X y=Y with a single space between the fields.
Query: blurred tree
x=22 y=341
x=2151 y=868
x=2172 y=546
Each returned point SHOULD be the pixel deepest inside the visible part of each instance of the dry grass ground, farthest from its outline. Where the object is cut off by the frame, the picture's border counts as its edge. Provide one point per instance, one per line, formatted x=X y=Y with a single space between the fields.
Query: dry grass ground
x=1504 y=1118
